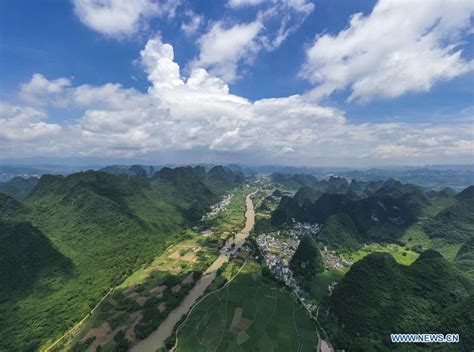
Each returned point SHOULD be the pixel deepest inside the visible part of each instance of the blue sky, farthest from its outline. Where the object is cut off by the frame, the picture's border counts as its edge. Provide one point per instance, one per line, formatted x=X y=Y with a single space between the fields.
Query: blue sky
x=278 y=81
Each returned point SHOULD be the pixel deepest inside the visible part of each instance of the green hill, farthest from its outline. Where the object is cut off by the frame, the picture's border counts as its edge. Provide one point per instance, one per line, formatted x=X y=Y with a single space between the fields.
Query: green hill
x=9 y=206
x=378 y=297
x=104 y=226
x=25 y=252
x=18 y=187
x=307 y=260
x=332 y=184
x=339 y=232
x=377 y=217
x=465 y=258
x=454 y=224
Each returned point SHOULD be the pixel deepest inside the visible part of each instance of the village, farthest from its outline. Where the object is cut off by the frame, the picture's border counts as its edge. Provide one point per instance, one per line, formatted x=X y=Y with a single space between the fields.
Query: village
x=279 y=247
x=218 y=207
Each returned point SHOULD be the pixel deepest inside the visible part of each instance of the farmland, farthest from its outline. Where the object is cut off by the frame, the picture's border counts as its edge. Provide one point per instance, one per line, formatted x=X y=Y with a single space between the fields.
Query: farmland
x=250 y=313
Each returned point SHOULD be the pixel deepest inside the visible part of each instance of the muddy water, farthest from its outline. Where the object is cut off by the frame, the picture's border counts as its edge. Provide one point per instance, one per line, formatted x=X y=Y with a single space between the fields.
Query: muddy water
x=158 y=337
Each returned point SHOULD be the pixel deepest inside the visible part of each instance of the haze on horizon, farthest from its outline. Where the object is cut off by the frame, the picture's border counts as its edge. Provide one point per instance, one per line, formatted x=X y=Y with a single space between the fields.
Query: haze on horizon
x=185 y=82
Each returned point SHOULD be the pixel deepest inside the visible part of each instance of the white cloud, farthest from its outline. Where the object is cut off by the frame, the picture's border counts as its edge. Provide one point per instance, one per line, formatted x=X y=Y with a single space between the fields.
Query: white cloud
x=40 y=90
x=23 y=124
x=227 y=46
x=195 y=21
x=198 y=114
x=222 y=48
x=402 y=46
x=239 y=3
x=118 y=18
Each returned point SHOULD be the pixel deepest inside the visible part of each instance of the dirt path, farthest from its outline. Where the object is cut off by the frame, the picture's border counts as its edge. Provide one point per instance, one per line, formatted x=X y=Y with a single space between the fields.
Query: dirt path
x=76 y=327
x=157 y=338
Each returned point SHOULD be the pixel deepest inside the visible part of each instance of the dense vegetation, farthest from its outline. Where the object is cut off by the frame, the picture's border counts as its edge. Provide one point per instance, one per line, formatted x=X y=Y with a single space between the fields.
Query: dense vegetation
x=391 y=207
x=455 y=223
x=339 y=232
x=307 y=260
x=18 y=187
x=378 y=297
x=87 y=232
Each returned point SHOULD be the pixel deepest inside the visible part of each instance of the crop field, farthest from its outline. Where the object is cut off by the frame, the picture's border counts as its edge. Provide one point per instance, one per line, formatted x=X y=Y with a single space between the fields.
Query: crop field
x=232 y=218
x=249 y=314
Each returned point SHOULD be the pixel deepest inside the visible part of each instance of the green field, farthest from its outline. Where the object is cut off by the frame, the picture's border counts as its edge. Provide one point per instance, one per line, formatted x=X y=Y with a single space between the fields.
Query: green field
x=249 y=314
x=401 y=254
x=193 y=252
x=232 y=219
x=319 y=287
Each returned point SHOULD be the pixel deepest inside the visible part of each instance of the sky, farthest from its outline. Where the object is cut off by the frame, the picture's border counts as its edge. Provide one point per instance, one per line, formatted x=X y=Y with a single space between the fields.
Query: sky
x=298 y=82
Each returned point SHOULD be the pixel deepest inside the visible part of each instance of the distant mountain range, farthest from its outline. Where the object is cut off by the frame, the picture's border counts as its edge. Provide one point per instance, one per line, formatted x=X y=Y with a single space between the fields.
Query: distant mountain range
x=428 y=177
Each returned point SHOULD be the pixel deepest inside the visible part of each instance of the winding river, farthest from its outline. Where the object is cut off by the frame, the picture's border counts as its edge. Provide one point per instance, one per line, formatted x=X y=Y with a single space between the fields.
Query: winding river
x=157 y=338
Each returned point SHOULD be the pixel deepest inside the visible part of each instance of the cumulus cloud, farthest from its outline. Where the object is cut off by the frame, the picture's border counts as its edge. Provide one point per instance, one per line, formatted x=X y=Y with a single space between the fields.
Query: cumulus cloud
x=198 y=114
x=118 y=18
x=226 y=46
x=223 y=47
x=400 y=47
x=39 y=90
x=24 y=124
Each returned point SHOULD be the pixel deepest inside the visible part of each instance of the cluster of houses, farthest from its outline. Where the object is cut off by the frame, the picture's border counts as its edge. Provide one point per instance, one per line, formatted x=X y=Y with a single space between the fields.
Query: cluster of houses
x=277 y=254
x=334 y=261
x=218 y=207
x=300 y=229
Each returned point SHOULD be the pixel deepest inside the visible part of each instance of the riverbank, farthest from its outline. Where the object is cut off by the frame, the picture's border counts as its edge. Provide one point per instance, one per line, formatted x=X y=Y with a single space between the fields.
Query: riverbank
x=156 y=339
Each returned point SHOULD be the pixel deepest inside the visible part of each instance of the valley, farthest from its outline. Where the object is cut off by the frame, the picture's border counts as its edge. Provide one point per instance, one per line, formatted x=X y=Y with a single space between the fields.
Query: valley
x=244 y=254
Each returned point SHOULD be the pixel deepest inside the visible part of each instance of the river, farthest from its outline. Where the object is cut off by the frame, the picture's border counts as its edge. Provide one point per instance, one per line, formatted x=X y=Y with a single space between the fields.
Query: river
x=157 y=338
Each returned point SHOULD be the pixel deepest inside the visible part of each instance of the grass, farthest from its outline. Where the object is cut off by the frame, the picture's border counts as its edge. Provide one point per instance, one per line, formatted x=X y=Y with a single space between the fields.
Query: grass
x=415 y=236
x=401 y=254
x=320 y=284
x=271 y=319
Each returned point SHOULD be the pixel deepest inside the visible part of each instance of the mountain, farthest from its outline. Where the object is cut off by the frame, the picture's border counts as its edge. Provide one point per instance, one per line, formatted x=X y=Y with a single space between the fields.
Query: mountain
x=307 y=260
x=332 y=184
x=430 y=178
x=464 y=259
x=339 y=232
x=25 y=252
x=455 y=224
x=90 y=230
x=18 y=187
x=378 y=297
x=467 y=194
x=133 y=170
x=381 y=216
x=10 y=207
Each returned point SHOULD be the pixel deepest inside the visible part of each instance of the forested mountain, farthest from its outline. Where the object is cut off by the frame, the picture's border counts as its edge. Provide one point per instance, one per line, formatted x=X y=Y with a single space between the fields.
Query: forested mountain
x=18 y=187
x=73 y=238
x=307 y=260
x=378 y=297
x=133 y=170
x=391 y=206
x=455 y=223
